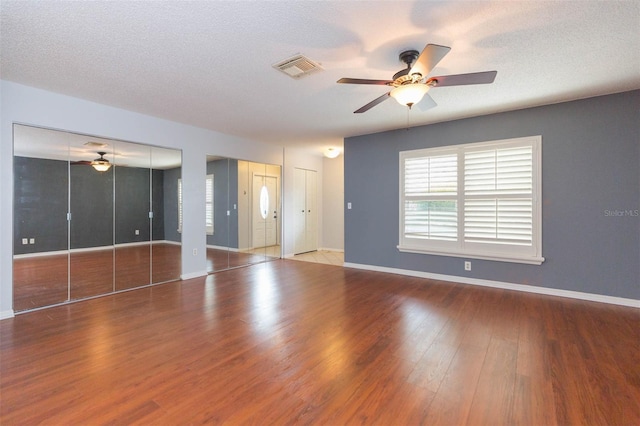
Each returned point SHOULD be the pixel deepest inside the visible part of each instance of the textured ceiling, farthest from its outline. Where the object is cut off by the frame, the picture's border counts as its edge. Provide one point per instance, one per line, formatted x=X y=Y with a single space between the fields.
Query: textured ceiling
x=209 y=64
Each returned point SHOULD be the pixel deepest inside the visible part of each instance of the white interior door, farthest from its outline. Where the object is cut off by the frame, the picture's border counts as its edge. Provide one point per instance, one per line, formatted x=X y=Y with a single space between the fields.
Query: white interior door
x=306 y=216
x=300 y=204
x=264 y=211
x=311 y=229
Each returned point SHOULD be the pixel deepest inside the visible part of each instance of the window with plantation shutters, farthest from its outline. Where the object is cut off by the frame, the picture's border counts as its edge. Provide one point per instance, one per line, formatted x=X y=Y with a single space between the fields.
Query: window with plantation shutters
x=430 y=205
x=179 y=205
x=209 y=204
x=476 y=200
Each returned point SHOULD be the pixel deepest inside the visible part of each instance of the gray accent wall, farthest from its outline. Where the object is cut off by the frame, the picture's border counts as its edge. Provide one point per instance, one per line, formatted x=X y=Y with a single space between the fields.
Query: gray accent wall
x=41 y=190
x=41 y=205
x=225 y=196
x=170 y=207
x=91 y=207
x=590 y=190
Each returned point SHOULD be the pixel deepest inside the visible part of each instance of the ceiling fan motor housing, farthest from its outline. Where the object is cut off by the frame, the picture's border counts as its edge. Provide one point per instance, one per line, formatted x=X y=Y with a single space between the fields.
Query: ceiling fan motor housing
x=402 y=77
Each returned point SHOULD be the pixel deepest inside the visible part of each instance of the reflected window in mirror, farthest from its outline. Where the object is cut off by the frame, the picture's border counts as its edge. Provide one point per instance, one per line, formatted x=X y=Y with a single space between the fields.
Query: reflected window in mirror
x=209 y=202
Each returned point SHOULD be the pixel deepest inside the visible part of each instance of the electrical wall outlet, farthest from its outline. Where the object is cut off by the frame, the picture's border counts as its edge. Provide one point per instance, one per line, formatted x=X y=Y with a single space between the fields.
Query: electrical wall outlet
x=137 y=232
x=195 y=252
x=25 y=241
x=467 y=265
x=32 y=240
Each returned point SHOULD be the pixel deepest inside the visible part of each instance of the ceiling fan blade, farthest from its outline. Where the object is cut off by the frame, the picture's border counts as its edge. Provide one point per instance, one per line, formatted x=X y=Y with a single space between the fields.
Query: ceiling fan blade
x=365 y=81
x=428 y=59
x=426 y=103
x=81 y=163
x=485 y=77
x=373 y=103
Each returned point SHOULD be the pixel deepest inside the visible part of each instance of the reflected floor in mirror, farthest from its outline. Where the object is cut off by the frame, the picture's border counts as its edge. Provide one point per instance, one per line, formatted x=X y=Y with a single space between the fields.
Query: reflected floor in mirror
x=40 y=281
x=328 y=257
x=288 y=342
x=218 y=259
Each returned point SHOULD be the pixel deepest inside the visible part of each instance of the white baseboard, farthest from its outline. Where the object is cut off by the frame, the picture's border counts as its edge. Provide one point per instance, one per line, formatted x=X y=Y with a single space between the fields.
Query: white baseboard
x=90 y=249
x=503 y=285
x=40 y=254
x=331 y=249
x=211 y=246
x=6 y=314
x=193 y=275
x=290 y=255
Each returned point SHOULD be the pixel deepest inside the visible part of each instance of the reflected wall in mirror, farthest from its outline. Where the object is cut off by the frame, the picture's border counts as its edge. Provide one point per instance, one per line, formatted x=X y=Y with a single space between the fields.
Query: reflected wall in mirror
x=91 y=195
x=243 y=213
x=89 y=216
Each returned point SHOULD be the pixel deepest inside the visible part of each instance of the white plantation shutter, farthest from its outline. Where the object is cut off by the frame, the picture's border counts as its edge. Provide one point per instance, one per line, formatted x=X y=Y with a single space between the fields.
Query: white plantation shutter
x=474 y=200
x=507 y=221
x=436 y=175
x=430 y=188
x=209 y=204
x=498 y=188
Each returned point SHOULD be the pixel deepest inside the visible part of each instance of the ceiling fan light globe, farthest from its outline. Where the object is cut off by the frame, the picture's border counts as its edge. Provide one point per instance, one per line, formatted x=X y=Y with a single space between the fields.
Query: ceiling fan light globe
x=101 y=166
x=409 y=94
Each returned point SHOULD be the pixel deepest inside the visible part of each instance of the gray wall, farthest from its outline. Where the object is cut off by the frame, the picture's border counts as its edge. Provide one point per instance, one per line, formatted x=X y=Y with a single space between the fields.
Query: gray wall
x=41 y=205
x=41 y=189
x=91 y=207
x=170 y=207
x=590 y=189
x=225 y=195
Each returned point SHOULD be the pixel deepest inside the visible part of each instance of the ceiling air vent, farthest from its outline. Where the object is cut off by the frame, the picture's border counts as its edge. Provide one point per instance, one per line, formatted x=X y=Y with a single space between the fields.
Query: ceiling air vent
x=298 y=66
x=92 y=144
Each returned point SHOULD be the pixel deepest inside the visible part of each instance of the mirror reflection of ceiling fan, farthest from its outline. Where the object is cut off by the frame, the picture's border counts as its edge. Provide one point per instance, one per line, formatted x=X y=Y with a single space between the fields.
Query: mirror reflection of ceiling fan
x=410 y=85
x=100 y=164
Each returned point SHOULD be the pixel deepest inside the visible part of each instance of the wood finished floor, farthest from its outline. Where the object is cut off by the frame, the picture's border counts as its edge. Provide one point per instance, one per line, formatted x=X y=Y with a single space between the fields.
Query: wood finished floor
x=47 y=280
x=290 y=342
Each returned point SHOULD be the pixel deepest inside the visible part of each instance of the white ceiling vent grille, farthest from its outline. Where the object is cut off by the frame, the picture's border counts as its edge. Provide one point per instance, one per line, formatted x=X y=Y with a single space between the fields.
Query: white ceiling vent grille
x=298 y=66
x=92 y=144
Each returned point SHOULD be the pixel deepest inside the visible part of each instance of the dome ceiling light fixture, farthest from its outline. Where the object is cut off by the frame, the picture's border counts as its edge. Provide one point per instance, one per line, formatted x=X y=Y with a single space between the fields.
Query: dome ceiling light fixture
x=410 y=85
x=331 y=152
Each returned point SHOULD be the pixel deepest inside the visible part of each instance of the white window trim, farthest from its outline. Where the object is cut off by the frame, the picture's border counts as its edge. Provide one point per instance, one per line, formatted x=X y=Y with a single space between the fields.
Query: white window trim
x=486 y=251
x=210 y=228
x=180 y=205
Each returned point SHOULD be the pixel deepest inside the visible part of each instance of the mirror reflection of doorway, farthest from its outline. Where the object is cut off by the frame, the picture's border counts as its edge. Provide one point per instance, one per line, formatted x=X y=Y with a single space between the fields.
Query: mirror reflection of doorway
x=246 y=217
x=265 y=211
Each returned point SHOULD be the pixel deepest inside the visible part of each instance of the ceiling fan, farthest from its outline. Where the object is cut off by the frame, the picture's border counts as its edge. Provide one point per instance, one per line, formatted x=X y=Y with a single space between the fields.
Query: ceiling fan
x=100 y=164
x=411 y=84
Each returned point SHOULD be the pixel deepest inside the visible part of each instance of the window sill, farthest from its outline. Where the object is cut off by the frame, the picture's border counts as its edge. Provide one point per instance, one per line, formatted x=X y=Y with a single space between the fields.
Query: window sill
x=498 y=257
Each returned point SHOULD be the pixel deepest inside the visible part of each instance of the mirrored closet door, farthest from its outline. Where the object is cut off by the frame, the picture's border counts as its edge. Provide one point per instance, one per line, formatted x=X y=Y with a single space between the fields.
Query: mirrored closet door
x=243 y=213
x=91 y=216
